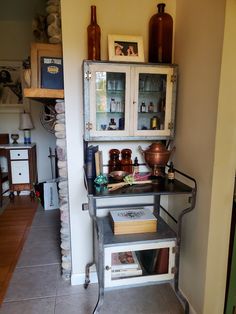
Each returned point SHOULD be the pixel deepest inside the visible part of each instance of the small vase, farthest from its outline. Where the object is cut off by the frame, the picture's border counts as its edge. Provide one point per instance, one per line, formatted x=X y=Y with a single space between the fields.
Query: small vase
x=160 y=36
x=27 y=77
x=94 y=37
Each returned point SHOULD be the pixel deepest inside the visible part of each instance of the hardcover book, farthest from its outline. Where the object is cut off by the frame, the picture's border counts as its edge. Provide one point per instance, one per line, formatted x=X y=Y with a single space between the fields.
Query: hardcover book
x=125 y=264
x=126 y=273
x=90 y=161
x=52 y=73
x=124 y=261
x=127 y=221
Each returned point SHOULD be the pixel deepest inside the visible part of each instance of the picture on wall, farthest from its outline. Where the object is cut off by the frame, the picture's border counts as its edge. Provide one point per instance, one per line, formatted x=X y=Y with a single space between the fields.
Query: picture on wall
x=11 y=96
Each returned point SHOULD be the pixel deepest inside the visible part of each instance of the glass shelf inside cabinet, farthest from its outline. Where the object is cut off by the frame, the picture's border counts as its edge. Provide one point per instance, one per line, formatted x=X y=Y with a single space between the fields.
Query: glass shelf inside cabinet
x=110 y=101
x=151 y=101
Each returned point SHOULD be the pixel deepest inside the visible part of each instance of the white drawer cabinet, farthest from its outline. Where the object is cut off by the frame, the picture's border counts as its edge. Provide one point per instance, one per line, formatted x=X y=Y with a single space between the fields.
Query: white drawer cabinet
x=23 y=170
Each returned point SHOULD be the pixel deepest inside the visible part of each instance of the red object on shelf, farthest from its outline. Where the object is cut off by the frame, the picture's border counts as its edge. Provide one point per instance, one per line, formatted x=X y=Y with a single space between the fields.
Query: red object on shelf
x=162 y=263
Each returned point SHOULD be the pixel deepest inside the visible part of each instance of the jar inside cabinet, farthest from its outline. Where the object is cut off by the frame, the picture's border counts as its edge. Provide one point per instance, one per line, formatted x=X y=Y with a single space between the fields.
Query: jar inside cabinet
x=128 y=101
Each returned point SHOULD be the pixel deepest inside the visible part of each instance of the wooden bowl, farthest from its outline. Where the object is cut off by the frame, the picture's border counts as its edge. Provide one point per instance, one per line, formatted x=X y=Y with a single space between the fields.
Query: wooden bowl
x=118 y=175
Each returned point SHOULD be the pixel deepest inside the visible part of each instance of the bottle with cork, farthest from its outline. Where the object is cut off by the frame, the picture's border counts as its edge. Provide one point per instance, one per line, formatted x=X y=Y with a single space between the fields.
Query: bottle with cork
x=171 y=172
x=136 y=166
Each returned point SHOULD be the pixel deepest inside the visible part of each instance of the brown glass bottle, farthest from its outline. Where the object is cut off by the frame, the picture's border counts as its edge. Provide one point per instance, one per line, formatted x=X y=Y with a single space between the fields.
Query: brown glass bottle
x=114 y=162
x=94 y=37
x=160 y=36
x=126 y=161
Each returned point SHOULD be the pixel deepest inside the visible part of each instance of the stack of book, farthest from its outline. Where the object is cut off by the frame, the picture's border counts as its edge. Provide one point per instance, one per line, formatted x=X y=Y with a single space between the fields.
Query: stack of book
x=126 y=221
x=125 y=264
x=93 y=161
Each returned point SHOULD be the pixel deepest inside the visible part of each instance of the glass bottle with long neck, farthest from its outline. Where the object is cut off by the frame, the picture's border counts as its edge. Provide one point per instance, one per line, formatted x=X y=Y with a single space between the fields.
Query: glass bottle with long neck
x=160 y=36
x=94 y=37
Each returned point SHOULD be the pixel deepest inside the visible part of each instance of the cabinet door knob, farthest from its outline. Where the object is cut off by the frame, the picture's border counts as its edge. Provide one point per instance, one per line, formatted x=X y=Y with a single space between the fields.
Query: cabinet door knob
x=107 y=267
x=18 y=154
x=19 y=173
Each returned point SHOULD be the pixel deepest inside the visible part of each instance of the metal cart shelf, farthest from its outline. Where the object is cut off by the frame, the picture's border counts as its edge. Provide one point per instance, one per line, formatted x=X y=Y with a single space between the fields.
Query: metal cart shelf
x=104 y=237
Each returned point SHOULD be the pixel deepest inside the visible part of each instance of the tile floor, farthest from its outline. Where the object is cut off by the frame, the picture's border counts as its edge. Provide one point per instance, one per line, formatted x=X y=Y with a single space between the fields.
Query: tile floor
x=36 y=286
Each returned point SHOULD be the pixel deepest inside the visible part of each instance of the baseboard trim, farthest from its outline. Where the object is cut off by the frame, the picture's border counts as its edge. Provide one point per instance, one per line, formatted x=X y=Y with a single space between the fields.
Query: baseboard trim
x=78 y=279
x=191 y=309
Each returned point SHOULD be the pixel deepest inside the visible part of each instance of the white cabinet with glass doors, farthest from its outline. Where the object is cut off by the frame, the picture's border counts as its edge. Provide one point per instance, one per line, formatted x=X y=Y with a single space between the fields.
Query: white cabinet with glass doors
x=129 y=101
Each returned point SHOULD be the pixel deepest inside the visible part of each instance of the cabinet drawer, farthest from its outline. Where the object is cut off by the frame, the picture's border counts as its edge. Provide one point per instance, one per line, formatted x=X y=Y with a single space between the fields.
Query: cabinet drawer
x=19 y=154
x=20 y=171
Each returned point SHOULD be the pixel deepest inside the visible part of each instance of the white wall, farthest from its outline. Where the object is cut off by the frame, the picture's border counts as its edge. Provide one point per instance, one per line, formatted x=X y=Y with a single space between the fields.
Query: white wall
x=15 y=27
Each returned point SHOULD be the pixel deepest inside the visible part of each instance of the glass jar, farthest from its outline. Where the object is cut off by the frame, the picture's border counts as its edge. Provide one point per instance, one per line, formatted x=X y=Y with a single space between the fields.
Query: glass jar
x=126 y=161
x=112 y=124
x=114 y=162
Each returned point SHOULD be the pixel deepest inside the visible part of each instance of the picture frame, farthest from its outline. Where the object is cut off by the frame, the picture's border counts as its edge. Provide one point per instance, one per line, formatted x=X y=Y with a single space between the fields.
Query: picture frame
x=125 y=48
x=11 y=87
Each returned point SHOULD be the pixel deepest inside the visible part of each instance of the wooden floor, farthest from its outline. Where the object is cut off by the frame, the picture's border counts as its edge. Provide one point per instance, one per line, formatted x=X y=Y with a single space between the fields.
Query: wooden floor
x=14 y=226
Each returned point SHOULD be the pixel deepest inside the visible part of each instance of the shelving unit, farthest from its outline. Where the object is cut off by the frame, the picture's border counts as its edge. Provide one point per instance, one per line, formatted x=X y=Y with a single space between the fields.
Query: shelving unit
x=39 y=93
x=39 y=50
x=106 y=243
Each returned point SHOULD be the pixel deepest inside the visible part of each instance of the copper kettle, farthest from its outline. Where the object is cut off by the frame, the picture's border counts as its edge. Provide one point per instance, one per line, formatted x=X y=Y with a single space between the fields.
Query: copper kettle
x=156 y=156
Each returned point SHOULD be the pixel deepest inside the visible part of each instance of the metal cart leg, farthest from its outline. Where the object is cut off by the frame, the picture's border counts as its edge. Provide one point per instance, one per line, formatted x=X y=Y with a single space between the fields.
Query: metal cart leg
x=177 y=255
x=100 y=301
x=87 y=274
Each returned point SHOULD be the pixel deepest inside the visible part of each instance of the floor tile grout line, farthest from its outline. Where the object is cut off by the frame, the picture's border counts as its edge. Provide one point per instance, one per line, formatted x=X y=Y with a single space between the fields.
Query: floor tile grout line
x=30 y=299
x=38 y=265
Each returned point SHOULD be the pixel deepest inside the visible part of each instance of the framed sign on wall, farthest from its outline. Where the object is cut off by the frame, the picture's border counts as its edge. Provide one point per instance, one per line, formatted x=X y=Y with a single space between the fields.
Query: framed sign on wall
x=11 y=95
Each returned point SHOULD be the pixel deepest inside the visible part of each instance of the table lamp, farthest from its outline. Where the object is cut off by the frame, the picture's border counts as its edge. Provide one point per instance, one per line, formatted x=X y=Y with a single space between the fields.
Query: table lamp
x=26 y=124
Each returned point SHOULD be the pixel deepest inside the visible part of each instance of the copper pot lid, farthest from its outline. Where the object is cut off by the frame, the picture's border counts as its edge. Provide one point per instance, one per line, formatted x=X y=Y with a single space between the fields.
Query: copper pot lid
x=156 y=148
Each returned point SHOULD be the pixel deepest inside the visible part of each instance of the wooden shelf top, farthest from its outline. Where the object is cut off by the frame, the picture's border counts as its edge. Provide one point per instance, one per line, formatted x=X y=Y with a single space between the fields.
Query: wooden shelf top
x=42 y=93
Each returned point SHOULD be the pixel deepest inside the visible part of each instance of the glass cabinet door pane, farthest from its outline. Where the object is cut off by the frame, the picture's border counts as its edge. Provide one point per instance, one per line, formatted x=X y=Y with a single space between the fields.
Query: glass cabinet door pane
x=151 y=101
x=110 y=101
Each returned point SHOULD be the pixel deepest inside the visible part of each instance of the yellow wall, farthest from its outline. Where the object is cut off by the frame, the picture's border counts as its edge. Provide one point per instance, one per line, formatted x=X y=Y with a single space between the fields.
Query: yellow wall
x=122 y=17
x=198 y=48
x=224 y=172
x=204 y=140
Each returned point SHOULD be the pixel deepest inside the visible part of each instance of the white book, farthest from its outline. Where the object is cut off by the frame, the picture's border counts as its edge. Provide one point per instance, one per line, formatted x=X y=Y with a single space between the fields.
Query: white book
x=126 y=273
x=124 y=261
x=132 y=215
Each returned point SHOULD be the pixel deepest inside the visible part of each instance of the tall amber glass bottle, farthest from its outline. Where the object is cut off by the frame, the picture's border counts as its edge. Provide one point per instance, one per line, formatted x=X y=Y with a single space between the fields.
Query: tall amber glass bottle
x=160 y=36
x=94 y=37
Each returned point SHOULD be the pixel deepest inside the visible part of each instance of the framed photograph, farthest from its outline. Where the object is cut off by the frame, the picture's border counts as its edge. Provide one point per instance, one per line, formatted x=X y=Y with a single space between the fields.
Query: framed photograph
x=125 y=48
x=11 y=90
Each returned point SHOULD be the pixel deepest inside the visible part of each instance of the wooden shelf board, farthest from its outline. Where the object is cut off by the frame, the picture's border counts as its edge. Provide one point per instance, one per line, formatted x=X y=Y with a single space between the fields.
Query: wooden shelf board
x=43 y=93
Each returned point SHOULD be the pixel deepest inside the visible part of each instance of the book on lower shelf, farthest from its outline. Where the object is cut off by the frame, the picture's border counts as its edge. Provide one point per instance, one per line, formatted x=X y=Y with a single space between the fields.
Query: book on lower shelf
x=124 y=260
x=125 y=264
x=128 y=221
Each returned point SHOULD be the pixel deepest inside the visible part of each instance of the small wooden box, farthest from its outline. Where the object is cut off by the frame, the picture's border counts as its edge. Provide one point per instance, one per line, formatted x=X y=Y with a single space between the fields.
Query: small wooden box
x=39 y=50
x=128 y=221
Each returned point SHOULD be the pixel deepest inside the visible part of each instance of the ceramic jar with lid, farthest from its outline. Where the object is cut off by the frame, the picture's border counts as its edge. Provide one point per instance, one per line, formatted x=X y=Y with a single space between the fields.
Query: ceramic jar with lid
x=126 y=161
x=114 y=162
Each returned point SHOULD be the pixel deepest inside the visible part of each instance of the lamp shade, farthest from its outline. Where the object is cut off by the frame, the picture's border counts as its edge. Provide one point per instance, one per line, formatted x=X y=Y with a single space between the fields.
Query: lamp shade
x=26 y=121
